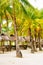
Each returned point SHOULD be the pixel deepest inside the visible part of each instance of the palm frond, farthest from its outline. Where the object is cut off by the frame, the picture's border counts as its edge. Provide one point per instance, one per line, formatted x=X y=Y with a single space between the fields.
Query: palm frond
x=24 y=10
x=27 y=3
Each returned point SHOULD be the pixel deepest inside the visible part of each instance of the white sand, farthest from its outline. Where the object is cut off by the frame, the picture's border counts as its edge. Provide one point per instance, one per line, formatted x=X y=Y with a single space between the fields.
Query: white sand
x=9 y=58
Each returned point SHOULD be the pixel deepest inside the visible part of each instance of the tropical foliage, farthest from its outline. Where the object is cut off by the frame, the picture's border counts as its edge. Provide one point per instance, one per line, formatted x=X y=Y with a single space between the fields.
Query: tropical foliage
x=26 y=16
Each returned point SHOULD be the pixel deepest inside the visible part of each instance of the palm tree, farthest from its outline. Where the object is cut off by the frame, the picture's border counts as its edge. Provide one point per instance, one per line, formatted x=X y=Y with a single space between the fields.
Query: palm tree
x=31 y=15
x=18 y=52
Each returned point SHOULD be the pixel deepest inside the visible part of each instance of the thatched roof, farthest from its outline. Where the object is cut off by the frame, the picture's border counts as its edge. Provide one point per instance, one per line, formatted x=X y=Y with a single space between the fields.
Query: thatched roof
x=4 y=37
x=12 y=38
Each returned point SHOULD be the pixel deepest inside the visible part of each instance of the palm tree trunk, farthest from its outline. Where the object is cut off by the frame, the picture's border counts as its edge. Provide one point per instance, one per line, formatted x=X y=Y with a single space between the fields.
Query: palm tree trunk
x=31 y=41
x=0 y=28
x=39 y=41
x=0 y=23
x=18 y=52
x=30 y=33
x=35 y=39
x=6 y=18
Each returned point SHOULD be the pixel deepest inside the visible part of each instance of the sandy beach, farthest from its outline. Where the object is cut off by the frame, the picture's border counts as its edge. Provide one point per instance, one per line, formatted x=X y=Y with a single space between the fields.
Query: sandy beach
x=9 y=58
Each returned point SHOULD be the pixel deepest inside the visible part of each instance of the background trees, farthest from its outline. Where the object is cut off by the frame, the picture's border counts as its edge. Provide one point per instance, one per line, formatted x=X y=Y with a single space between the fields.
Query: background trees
x=19 y=17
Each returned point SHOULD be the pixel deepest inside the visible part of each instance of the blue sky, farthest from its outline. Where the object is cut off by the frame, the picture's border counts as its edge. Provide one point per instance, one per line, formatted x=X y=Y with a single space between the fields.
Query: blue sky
x=37 y=3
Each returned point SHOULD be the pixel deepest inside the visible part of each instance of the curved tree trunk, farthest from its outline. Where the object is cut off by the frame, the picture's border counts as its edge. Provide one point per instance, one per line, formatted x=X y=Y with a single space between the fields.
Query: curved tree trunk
x=31 y=41
x=39 y=41
x=39 y=37
x=18 y=52
x=0 y=24
x=30 y=33
x=0 y=28
x=35 y=36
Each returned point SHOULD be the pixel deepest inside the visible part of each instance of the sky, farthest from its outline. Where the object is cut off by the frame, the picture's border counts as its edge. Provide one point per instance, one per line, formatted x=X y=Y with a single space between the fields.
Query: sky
x=37 y=3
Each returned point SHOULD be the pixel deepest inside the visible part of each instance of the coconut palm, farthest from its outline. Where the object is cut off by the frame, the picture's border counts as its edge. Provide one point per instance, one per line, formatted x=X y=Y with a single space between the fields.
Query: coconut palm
x=18 y=52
